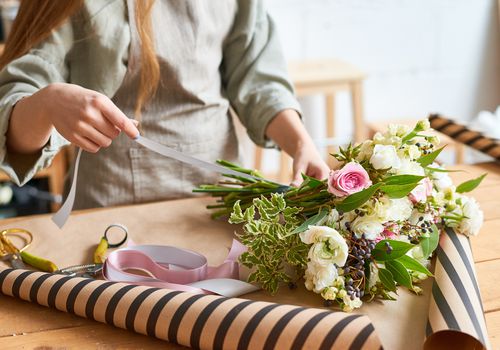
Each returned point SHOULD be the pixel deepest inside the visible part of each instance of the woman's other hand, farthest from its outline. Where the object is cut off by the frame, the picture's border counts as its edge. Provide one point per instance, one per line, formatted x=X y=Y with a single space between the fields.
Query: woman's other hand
x=287 y=130
x=84 y=117
x=308 y=161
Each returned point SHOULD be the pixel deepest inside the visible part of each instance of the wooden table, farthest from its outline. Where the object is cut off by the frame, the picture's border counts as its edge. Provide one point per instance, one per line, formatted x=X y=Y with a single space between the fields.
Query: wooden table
x=26 y=325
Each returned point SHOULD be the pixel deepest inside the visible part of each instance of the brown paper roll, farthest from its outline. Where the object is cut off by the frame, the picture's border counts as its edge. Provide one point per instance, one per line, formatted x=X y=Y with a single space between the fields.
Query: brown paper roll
x=456 y=315
x=461 y=133
x=198 y=321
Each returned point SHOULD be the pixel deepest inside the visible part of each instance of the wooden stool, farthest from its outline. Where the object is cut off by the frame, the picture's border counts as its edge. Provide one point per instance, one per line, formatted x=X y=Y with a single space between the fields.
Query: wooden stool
x=324 y=77
x=458 y=147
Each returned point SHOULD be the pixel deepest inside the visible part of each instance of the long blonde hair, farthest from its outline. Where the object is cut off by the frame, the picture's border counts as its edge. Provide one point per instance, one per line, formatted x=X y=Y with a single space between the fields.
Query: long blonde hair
x=37 y=19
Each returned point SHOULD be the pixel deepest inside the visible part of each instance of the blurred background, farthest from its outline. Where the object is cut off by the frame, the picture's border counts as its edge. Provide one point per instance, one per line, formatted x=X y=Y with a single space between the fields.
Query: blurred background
x=357 y=65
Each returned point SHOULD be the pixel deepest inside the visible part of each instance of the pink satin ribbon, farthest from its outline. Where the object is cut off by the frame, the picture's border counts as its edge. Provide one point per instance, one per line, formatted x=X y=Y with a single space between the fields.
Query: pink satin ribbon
x=177 y=269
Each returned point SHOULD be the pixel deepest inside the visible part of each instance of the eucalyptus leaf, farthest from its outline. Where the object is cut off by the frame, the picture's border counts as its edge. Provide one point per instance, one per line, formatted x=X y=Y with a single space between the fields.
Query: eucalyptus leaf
x=470 y=185
x=399 y=272
x=428 y=159
x=403 y=179
x=387 y=279
x=429 y=244
x=398 y=191
x=358 y=199
x=311 y=221
x=413 y=265
x=398 y=249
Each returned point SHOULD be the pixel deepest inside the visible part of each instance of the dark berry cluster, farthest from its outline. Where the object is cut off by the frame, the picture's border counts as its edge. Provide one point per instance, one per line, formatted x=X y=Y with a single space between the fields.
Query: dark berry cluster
x=360 y=253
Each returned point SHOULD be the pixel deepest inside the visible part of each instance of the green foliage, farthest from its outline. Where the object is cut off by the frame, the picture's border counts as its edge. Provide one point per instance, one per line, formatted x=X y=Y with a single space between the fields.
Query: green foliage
x=380 y=253
x=413 y=265
x=268 y=226
x=358 y=199
x=428 y=159
x=347 y=154
x=399 y=186
x=313 y=220
x=387 y=279
x=430 y=243
x=399 y=272
x=470 y=185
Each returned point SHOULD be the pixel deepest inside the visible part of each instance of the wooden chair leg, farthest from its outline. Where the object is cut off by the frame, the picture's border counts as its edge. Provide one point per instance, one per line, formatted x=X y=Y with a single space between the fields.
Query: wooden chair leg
x=357 y=110
x=459 y=153
x=258 y=158
x=330 y=125
x=56 y=177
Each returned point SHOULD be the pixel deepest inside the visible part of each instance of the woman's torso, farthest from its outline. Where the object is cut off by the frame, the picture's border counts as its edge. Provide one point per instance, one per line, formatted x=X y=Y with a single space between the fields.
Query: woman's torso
x=189 y=111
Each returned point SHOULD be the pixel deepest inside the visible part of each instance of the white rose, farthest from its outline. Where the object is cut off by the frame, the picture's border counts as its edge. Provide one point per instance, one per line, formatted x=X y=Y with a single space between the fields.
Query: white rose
x=471 y=224
x=399 y=209
x=369 y=225
x=385 y=157
x=409 y=167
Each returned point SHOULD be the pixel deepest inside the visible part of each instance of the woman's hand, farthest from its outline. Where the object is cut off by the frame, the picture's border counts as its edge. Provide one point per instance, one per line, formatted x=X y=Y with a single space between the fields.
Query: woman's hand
x=308 y=161
x=84 y=117
x=287 y=130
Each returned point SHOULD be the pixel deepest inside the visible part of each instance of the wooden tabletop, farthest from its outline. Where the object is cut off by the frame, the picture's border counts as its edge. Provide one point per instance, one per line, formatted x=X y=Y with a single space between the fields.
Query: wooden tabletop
x=185 y=223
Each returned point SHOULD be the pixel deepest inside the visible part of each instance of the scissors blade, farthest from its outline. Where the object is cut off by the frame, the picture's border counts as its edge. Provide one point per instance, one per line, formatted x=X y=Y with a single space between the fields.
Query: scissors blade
x=15 y=260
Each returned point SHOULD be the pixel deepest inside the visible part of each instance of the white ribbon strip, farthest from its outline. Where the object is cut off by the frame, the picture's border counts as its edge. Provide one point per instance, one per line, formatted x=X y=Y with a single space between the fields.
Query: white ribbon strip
x=63 y=213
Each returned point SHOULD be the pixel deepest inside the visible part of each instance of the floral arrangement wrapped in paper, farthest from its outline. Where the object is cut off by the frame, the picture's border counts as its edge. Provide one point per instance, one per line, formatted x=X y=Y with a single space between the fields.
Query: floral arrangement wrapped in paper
x=371 y=226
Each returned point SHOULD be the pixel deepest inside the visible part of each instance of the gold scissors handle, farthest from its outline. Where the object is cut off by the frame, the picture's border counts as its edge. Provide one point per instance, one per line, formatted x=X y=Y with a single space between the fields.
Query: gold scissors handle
x=6 y=245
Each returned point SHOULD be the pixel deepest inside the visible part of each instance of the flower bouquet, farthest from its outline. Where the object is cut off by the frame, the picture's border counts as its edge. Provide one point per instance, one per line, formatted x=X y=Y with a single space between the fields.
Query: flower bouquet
x=372 y=226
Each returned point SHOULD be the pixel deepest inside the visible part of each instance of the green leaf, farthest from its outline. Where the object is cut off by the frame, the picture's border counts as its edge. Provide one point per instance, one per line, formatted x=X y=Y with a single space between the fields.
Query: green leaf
x=403 y=179
x=398 y=191
x=311 y=221
x=358 y=199
x=429 y=158
x=413 y=265
x=399 y=273
x=236 y=216
x=470 y=185
x=311 y=182
x=387 y=279
x=438 y=170
x=429 y=244
x=398 y=249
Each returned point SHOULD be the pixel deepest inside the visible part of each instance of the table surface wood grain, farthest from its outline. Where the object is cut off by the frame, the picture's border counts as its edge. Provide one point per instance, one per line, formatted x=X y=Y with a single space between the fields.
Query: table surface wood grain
x=25 y=325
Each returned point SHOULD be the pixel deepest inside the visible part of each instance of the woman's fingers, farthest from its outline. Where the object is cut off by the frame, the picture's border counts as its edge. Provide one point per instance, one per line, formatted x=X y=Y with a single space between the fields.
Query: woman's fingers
x=85 y=144
x=105 y=127
x=115 y=116
x=94 y=135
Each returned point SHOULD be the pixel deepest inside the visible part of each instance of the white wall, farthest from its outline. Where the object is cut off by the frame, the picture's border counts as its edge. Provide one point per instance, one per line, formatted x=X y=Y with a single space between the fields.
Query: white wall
x=421 y=56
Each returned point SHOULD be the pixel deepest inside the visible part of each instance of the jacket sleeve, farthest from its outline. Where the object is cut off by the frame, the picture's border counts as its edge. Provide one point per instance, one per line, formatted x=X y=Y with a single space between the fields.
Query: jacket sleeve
x=254 y=71
x=42 y=65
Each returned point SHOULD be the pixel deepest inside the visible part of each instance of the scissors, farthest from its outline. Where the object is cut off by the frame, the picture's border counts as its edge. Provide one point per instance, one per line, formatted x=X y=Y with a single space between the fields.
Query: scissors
x=19 y=256
x=94 y=269
x=9 y=251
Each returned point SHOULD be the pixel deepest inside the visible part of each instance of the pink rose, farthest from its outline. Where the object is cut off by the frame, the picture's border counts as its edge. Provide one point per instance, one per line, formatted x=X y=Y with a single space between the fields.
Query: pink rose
x=350 y=179
x=422 y=191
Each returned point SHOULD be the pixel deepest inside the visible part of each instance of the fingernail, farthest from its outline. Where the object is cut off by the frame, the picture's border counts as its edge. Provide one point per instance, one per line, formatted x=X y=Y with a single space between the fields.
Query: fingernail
x=136 y=122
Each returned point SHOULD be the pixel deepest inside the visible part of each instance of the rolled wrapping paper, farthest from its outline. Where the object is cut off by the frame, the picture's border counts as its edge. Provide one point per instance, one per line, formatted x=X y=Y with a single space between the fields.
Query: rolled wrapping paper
x=456 y=314
x=194 y=320
x=461 y=133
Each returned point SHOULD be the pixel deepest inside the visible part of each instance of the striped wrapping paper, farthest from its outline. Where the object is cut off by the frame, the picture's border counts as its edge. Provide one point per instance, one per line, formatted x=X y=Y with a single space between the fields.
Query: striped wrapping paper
x=198 y=321
x=456 y=314
x=461 y=133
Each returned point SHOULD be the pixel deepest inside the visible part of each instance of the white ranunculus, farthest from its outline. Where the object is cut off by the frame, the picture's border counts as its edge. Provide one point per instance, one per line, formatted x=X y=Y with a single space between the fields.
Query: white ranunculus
x=409 y=167
x=471 y=224
x=414 y=152
x=369 y=225
x=385 y=157
x=398 y=209
x=329 y=247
